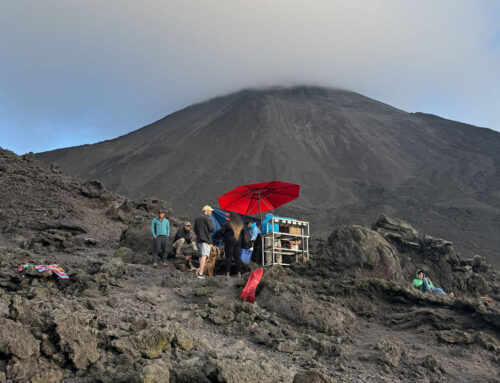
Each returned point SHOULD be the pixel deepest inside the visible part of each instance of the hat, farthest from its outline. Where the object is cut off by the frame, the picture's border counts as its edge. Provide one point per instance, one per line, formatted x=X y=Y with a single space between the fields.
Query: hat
x=206 y=207
x=187 y=223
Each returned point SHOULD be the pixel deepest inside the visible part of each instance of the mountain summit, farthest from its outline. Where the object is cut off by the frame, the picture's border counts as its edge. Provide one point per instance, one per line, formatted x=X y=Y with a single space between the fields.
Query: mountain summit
x=354 y=157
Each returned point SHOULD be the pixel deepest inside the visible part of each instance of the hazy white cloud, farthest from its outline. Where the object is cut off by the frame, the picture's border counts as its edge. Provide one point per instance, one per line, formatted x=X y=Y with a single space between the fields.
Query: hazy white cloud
x=74 y=72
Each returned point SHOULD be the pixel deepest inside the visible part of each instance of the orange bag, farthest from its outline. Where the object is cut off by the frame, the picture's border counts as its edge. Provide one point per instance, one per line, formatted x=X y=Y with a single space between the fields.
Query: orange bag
x=248 y=293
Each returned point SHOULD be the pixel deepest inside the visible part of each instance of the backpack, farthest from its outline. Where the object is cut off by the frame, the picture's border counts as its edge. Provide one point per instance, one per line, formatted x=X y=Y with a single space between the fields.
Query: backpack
x=246 y=241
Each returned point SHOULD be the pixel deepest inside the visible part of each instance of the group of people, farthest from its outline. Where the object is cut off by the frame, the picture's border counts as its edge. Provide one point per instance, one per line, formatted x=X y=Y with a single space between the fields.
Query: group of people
x=235 y=238
x=233 y=232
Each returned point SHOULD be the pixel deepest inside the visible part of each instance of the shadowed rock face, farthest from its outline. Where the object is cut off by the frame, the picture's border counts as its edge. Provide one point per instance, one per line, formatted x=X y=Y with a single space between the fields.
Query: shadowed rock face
x=354 y=157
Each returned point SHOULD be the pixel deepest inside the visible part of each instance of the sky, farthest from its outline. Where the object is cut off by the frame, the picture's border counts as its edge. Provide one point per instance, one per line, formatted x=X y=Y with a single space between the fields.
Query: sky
x=79 y=72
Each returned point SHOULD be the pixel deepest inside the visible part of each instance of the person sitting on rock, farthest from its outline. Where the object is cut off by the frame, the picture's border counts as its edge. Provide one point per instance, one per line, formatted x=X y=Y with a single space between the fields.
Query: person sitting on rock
x=160 y=228
x=184 y=236
x=425 y=284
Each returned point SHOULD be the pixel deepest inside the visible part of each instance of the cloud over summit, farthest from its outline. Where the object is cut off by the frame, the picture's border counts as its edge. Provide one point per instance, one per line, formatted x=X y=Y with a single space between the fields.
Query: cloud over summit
x=79 y=72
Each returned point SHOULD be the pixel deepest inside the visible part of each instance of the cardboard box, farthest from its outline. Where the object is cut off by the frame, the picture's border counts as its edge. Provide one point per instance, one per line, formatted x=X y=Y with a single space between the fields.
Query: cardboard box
x=295 y=230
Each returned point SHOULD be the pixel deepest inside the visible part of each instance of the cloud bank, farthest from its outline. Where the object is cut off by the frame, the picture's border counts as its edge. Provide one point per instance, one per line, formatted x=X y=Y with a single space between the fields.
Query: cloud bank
x=80 y=72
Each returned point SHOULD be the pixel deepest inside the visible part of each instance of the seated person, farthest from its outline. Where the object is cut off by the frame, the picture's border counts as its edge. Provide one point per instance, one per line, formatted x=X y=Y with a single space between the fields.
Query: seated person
x=184 y=236
x=425 y=284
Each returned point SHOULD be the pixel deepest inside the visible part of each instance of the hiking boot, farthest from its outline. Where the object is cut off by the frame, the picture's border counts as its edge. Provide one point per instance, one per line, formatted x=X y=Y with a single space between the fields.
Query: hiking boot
x=155 y=264
x=238 y=275
x=227 y=275
x=200 y=276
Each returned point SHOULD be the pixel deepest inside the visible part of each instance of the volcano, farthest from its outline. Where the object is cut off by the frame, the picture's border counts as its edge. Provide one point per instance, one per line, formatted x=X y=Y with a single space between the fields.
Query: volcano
x=355 y=158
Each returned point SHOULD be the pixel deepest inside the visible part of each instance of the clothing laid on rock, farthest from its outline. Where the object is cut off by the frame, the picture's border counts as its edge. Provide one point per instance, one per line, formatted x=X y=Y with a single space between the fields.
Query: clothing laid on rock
x=232 y=247
x=203 y=228
x=59 y=271
x=160 y=227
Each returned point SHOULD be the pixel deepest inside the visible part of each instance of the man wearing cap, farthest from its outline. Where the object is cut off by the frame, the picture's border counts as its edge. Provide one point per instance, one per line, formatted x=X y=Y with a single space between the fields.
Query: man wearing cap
x=203 y=229
x=183 y=236
x=160 y=228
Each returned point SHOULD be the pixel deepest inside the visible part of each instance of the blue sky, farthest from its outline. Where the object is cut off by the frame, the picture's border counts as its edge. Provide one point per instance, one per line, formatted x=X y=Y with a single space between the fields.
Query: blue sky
x=73 y=73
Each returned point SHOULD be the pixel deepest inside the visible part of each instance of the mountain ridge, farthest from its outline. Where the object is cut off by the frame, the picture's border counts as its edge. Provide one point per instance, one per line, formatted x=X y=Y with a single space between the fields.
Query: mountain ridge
x=355 y=157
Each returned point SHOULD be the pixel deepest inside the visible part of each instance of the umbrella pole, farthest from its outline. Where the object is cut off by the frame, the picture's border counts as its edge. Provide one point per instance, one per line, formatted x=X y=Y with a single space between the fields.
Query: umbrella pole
x=261 y=232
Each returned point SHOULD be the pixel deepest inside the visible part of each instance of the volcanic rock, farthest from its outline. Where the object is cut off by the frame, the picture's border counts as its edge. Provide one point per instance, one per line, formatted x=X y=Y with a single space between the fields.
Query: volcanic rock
x=77 y=341
x=363 y=253
x=317 y=320
x=17 y=340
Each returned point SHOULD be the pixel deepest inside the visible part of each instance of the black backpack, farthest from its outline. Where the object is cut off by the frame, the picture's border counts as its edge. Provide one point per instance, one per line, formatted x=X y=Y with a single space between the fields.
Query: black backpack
x=246 y=241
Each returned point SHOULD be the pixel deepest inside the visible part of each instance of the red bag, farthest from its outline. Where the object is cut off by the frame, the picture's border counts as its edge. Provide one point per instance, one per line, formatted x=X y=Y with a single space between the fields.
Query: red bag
x=248 y=293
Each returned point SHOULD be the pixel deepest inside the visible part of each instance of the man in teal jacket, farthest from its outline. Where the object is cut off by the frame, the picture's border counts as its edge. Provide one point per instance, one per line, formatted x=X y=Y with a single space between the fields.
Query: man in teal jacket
x=160 y=228
x=425 y=284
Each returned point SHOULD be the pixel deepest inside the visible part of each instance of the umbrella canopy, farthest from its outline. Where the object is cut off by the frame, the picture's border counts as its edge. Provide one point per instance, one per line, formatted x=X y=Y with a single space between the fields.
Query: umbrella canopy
x=219 y=217
x=258 y=198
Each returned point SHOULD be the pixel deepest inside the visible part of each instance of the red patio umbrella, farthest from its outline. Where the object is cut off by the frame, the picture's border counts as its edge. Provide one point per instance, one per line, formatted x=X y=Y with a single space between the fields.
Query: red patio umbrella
x=260 y=197
x=256 y=198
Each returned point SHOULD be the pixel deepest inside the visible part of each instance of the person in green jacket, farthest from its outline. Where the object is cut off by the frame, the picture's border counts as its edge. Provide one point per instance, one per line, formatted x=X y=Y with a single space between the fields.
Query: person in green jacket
x=160 y=228
x=424 y=284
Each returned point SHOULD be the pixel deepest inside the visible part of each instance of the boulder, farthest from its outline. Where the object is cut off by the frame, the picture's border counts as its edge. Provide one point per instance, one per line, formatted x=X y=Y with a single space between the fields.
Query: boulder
x=302 y=310
x=236 y=371
x=93 y=189
x=390 y=353
x=114 y=267
x=397 y=230
x=17 y=341
x=77 y=341
x=309 y=377
x=157 y=372
x=125 y=254
x=152 y=297
x=137 y=238
x=152 y=343
x=359 y=252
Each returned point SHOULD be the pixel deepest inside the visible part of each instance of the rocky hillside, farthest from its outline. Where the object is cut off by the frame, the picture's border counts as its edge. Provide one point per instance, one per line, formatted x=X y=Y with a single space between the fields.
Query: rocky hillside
x=348 y=315
x=355 y=158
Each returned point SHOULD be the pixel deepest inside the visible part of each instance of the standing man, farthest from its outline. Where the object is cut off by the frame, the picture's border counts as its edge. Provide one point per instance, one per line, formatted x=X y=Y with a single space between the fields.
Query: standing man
x=160 y=228
x=203 y=228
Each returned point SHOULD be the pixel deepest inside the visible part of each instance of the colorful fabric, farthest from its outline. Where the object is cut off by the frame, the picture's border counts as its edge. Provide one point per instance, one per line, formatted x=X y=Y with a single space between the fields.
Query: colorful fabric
x=248 y=293
x=59 y=271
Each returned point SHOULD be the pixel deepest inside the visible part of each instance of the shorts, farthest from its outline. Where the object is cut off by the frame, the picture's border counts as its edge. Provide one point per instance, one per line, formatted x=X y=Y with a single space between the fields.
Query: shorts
x=203 y=248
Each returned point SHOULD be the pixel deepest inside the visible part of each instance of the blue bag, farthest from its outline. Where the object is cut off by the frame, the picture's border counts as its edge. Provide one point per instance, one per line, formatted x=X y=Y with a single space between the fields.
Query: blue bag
x=245 y=255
